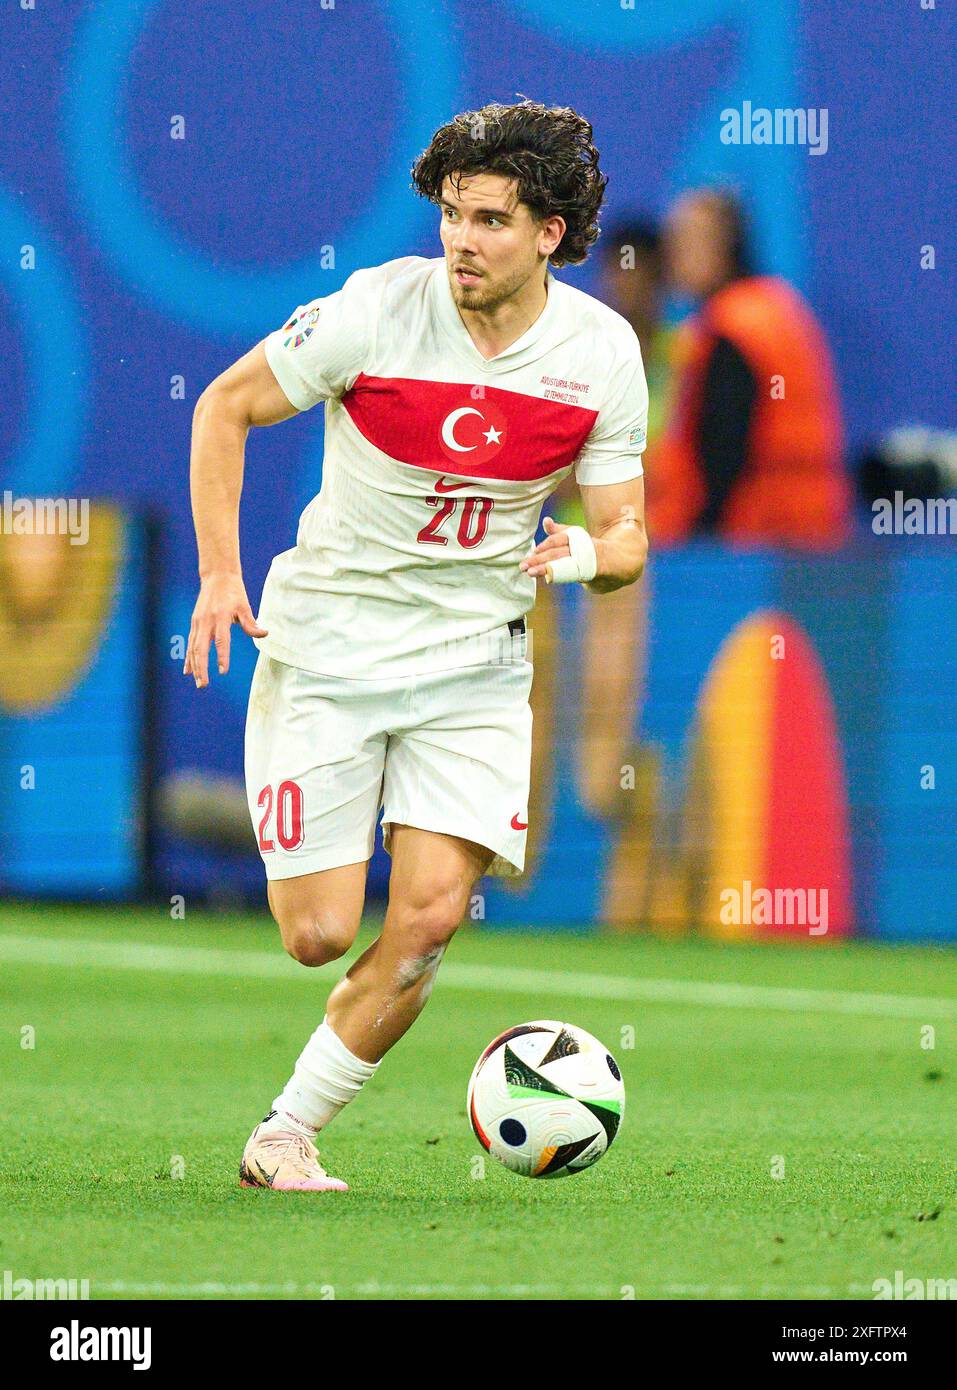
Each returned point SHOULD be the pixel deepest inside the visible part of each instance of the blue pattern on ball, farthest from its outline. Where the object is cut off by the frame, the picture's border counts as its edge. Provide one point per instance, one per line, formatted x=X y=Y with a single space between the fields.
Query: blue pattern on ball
x=512 y=1132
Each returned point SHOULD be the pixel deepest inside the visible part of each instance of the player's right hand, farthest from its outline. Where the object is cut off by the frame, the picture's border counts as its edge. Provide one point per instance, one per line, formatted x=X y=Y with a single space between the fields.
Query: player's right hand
x=222 y=601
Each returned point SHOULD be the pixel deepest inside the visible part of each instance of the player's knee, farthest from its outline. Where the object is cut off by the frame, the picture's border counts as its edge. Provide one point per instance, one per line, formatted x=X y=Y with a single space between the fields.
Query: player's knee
x=314 y=939
x=312 y=943
x=429 y=920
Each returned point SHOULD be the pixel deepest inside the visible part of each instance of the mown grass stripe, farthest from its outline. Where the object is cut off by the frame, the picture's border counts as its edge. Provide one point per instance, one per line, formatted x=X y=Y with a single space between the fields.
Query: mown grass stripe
x=78 y=954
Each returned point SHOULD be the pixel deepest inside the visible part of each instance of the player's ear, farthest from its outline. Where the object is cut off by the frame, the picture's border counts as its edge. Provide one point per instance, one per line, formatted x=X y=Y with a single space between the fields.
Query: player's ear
x=552 y=231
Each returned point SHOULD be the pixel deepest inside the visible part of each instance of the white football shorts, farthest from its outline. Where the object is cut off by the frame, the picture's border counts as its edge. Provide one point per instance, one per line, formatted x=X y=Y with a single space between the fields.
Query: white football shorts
x=448 y=751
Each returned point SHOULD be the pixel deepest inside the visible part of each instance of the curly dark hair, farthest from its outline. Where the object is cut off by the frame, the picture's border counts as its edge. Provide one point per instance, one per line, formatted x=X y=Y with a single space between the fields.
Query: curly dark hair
x=547 y=150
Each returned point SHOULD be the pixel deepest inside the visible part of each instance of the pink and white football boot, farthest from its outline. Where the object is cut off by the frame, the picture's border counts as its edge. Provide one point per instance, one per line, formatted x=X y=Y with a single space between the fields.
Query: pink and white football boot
x=286 y=1161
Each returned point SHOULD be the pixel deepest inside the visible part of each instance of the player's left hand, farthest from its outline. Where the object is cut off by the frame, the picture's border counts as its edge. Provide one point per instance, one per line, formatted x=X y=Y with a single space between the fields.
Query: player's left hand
x=553 y=547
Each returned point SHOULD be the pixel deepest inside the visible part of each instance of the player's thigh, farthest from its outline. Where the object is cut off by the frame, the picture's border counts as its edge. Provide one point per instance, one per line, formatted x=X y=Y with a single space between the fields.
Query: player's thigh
x=315 y=754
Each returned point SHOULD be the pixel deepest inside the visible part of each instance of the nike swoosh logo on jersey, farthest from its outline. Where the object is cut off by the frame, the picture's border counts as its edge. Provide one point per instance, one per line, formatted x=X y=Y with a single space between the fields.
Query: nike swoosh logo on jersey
x=450 y=487
x=519 y=824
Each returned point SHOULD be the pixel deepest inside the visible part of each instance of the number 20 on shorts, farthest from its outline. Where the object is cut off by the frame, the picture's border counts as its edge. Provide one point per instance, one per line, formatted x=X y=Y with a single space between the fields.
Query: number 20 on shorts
x=289 y=828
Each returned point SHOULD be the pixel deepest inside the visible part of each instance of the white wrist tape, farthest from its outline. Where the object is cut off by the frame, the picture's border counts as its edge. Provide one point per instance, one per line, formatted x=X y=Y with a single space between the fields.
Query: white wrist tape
x=578 y=567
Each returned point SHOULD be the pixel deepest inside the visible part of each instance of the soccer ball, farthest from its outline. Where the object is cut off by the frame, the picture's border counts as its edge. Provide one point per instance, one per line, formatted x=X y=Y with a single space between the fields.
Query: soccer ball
x=546 y=1099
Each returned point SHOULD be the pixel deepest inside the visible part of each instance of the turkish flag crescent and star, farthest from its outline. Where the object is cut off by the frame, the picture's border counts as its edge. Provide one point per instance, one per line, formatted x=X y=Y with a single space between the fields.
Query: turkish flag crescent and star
x=445 y=427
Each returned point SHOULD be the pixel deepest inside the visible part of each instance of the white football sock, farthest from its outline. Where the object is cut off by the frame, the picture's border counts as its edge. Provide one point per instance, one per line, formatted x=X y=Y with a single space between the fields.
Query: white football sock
x=326 y=1078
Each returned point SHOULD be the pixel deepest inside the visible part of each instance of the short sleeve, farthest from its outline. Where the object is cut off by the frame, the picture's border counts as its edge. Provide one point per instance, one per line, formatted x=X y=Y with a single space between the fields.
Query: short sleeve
x=323 y=346
x=612 y=452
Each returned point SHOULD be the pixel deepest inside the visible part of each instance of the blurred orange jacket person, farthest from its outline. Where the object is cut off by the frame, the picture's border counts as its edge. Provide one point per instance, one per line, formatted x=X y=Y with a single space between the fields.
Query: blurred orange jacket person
x=753 y=367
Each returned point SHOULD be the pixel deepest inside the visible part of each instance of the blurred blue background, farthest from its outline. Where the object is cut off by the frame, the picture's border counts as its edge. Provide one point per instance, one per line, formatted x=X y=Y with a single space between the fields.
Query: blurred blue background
x=159 y=258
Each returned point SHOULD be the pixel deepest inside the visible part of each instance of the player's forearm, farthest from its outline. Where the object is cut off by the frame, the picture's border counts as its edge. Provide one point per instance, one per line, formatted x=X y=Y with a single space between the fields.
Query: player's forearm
x=621 y=551
x=216 y=484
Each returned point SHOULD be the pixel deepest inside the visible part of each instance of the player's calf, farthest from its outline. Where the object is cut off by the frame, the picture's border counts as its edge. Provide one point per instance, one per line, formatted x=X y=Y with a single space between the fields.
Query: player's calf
x=419 y=967
x=387 y=988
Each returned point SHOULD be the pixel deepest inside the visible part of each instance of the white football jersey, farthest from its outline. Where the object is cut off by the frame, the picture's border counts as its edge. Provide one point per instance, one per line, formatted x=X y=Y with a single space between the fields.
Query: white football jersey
x=437 y=463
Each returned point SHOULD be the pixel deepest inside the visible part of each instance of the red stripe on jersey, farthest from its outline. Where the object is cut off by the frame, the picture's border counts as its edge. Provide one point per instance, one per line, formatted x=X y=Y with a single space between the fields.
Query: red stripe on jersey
x=445 y=427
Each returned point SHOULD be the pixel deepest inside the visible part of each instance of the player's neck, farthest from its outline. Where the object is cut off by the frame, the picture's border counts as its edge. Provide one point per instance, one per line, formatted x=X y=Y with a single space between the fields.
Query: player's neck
x=494 y=330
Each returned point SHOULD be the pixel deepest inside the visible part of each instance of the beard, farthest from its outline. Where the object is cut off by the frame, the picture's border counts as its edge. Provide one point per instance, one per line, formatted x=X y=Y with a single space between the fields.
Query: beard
x=488 y=294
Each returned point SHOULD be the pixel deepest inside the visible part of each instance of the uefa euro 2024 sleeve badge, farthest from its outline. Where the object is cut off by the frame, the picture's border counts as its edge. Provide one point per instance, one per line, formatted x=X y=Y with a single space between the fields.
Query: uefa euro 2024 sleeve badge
x=303 y=323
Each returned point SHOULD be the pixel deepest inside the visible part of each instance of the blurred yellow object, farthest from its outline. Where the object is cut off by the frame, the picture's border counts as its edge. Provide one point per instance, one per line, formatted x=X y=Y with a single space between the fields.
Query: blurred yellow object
x=54 y=601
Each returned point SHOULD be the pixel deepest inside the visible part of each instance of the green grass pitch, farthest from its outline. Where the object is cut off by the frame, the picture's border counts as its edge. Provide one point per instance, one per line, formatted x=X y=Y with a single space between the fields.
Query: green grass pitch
x=158 y=1044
